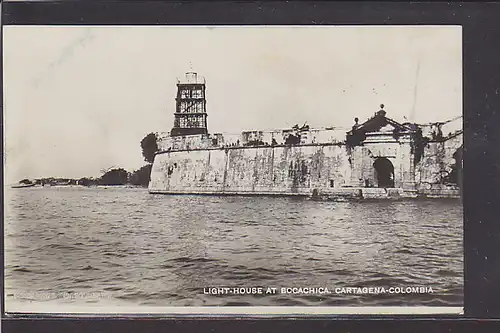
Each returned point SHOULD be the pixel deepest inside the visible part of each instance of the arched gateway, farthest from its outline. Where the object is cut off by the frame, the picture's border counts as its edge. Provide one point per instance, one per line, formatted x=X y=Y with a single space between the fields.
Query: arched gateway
x=384 y=171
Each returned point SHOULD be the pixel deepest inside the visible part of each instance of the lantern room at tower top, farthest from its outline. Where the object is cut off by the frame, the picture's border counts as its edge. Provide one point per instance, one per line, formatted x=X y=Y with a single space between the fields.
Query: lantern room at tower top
x=190 y=117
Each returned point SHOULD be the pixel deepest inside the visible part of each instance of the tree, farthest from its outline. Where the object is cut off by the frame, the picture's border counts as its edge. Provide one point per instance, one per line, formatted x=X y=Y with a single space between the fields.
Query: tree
x=114 y=177
x=292 y=139
x=87 y=181
x=149 y=145
x=141 y=177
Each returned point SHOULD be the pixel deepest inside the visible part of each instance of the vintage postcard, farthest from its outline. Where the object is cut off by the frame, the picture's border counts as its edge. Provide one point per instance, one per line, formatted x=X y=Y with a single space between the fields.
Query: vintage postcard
x=263 y=170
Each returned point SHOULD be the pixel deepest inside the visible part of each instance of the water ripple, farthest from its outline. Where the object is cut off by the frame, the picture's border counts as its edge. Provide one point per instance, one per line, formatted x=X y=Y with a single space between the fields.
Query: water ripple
x=163 y=250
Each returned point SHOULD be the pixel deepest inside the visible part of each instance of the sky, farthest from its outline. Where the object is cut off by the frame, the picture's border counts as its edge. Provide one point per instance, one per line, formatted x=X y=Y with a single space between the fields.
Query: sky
x=79 y=99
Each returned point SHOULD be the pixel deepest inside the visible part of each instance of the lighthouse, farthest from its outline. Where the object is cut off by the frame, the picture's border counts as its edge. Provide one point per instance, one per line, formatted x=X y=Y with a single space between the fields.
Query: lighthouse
x=190 y=117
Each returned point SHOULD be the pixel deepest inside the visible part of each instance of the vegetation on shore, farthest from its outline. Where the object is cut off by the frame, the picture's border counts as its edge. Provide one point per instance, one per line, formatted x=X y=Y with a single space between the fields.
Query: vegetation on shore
x=113 y=176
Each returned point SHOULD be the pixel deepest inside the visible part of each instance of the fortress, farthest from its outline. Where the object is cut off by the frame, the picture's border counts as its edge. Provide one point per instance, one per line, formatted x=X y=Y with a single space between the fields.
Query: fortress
x=378 y=158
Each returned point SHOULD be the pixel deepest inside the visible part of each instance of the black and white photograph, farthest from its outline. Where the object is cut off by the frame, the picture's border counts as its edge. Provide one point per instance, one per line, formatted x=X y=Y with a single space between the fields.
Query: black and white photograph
x=233 y=169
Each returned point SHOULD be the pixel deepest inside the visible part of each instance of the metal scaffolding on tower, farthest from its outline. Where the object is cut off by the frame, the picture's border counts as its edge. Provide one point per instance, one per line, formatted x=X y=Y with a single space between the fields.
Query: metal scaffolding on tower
x=190 y=112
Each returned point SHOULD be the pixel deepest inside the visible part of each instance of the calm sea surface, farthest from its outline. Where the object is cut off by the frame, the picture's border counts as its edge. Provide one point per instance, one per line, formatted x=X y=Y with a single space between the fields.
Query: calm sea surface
x=74 y=245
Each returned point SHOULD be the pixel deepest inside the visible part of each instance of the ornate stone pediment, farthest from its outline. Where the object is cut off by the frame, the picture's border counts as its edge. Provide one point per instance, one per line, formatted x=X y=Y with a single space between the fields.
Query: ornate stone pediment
x=378 y=125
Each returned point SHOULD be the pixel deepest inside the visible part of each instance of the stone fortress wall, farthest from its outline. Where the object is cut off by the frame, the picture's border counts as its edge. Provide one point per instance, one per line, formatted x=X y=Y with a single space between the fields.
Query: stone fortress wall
x=320 y=164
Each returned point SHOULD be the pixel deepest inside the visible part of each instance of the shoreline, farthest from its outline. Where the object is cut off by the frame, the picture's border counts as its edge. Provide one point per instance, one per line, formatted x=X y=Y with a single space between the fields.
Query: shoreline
x=339 y=195
x=76 y=186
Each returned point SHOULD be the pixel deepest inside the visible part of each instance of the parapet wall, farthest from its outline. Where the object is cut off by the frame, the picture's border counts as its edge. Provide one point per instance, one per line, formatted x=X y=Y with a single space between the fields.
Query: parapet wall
x=248 y=138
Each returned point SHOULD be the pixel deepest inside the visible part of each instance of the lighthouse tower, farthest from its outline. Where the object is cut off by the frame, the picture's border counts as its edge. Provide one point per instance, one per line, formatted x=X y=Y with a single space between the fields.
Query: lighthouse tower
x=190 y=112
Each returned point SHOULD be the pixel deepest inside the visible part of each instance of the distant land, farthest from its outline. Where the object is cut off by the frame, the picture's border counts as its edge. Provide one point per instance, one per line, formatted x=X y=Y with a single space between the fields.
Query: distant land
x=112 y=177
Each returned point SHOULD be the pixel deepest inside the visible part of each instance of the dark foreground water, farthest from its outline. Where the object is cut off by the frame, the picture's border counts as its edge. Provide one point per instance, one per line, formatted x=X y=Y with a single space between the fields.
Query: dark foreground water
x=123 y=246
